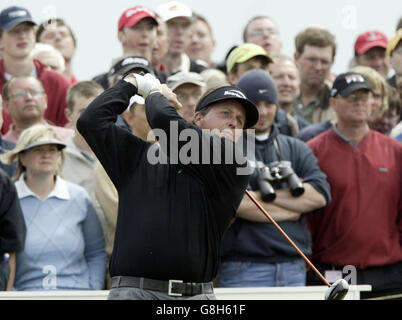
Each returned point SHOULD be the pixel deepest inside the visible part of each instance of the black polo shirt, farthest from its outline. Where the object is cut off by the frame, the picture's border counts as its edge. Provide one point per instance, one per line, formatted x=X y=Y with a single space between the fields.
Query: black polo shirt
x=172 y=216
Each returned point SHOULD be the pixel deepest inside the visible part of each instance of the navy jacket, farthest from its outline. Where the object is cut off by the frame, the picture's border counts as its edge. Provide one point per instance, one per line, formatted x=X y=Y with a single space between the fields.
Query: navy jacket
x=8 y=168
x=262 y=242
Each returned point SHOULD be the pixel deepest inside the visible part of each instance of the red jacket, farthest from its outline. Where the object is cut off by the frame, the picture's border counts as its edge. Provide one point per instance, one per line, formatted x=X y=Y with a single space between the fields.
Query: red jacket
x=55 y=85
x=362 y=226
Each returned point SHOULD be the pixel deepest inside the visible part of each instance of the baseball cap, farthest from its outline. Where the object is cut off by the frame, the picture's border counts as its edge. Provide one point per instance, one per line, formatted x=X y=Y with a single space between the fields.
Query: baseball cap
x=346 y=83
x=132 y=16
x=136 y=99
x=231 y=93
x=370 y=39
x=134 y=62
x=244 y=53
x=173 y=9
x=60 y=145
x=258 y=85
x=393 y=42
x=12 y=16
x=180 y=78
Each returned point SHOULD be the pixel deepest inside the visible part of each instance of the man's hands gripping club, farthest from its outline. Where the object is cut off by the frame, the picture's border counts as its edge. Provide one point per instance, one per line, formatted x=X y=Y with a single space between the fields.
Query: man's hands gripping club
x=148 y=84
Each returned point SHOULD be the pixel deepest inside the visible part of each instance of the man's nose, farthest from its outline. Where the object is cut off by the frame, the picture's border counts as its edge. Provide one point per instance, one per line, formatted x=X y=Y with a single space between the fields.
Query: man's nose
x=234 y=123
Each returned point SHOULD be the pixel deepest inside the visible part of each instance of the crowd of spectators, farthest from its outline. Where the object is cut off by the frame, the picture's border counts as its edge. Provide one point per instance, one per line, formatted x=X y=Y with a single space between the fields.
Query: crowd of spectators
x=340 y=133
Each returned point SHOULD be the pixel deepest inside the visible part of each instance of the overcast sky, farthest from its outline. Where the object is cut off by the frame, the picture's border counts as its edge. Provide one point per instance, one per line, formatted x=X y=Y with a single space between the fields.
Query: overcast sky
x=95 y=23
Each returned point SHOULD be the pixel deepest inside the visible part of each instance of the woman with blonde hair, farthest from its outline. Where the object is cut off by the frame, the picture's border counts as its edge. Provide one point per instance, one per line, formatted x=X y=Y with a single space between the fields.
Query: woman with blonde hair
x=64 y=246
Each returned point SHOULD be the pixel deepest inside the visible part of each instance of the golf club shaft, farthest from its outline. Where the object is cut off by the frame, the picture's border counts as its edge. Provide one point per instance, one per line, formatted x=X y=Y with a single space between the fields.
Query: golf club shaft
x=287 y=237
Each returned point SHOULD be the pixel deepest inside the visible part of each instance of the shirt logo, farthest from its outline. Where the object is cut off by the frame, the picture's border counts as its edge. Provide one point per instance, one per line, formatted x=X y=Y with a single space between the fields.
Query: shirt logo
x=235 y=93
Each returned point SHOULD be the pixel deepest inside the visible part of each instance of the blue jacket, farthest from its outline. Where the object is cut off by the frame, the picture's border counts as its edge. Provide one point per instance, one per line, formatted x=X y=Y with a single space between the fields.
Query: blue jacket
x=262 y=242
x=8 y=168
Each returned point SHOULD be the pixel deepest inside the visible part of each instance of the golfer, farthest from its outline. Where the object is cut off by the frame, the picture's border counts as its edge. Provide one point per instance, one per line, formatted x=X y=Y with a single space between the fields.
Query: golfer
x=171 y=216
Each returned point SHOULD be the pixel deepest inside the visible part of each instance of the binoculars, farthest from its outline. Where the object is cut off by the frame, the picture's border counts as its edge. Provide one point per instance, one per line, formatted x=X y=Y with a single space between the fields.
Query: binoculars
x=277 y=175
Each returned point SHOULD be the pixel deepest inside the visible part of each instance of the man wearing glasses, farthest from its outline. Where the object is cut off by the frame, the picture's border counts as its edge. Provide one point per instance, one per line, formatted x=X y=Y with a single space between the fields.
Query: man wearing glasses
x=25 y=100
x=314 y=56
x=188 y=87
x=361 y=228
x=262 y=30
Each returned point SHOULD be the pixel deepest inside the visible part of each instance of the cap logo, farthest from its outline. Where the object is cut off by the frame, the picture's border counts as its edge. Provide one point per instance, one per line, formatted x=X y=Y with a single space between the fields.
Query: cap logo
x=262 y=91
x=174 y=8
x=372 y=36
x=17 y=14
x=235 y=93
x=131 y=12
x=134 y=60
x=354 y=78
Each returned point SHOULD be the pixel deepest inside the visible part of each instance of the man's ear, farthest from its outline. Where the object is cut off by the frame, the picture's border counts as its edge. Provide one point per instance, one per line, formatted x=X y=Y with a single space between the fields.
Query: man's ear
x=357 y=59
x=332 y=103
x=128 y=116
x=232 y=78
x=296 y=56
x=121 y=36
x=68 y=113
x=5 y=106
x=197 y=118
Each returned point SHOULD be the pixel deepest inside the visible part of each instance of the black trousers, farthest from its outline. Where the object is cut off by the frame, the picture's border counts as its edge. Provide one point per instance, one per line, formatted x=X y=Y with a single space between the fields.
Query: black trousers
x=385 y=281
x=4 y=275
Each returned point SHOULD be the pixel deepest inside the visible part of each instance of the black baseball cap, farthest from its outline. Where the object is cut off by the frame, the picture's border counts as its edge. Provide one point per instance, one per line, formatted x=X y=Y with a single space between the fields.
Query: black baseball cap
x=349 y=82
x=129 y=63
x=231 y=93
x=12 y=16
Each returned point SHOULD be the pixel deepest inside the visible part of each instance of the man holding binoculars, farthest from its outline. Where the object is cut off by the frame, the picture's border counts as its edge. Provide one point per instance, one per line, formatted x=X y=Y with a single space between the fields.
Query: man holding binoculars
x=288 y=183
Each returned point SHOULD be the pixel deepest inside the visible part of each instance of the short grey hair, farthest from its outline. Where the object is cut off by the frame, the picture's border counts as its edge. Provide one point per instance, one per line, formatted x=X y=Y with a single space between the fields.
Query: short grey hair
x=44 y=47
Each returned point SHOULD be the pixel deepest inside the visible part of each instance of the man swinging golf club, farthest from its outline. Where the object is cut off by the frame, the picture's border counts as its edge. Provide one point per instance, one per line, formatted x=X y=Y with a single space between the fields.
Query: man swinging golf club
x=172 y=216
x=169 y=248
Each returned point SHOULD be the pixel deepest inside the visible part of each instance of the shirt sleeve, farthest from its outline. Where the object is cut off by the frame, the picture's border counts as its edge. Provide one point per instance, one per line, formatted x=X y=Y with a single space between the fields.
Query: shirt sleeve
x=118 y=150
x=306 y=167
x=95 y=254
x=12 y=224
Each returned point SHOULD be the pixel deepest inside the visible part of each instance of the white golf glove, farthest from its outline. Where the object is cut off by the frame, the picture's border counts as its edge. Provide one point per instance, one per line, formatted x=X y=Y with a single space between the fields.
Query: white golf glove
x=146 y=84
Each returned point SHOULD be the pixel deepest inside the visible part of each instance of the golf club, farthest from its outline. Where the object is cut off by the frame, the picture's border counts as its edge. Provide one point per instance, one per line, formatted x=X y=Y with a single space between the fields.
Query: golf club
x=336 y=291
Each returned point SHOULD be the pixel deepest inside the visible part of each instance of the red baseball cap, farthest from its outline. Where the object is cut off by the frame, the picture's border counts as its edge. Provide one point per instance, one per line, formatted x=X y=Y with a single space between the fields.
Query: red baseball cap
x=132 y=16
x=370 y=39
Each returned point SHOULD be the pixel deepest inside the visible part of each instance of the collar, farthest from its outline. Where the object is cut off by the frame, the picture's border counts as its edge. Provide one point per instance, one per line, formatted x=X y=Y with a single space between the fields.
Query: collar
x=184 y=65
x=8 y=76
x=262 y=137
x=73 y=148
x=344 y=138
x=325 y=90
x=60 y=189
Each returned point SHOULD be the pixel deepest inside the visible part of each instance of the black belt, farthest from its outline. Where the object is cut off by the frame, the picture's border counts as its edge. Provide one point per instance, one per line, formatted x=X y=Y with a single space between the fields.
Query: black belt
x=171 y=287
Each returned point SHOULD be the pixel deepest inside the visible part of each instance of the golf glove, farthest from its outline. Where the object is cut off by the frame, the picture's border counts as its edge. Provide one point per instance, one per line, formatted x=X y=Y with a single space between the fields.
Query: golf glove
x=146 y=83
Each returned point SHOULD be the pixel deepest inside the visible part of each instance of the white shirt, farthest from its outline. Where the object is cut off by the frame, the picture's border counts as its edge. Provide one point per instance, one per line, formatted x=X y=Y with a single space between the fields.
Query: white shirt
x=60 y=189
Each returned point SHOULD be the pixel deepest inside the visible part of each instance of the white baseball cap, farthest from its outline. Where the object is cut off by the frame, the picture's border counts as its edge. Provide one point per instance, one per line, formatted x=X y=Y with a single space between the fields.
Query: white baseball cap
x=173 y=9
